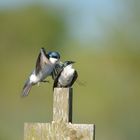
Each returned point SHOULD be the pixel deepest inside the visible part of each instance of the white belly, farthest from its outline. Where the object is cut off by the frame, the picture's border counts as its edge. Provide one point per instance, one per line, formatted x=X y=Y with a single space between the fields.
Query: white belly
x=34 y=78
x=66 y=77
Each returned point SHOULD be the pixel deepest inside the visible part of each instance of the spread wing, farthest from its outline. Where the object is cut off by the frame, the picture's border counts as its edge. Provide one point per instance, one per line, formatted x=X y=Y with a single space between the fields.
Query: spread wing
x=42 y=60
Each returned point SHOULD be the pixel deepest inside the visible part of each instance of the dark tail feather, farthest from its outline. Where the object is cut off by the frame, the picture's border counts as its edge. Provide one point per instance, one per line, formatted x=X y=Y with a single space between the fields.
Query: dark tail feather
x=26 y=89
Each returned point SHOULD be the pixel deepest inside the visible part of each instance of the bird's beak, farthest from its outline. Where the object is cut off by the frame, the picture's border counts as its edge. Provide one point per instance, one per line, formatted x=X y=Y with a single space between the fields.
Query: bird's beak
x=72 y=62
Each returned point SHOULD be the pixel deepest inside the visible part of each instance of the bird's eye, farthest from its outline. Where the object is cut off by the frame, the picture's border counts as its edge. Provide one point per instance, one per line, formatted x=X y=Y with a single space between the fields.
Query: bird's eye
x=55 y=57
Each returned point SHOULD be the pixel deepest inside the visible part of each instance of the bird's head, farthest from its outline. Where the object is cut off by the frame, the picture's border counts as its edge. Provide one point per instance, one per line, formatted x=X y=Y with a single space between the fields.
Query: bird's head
x=54 y=57
x=66 y=63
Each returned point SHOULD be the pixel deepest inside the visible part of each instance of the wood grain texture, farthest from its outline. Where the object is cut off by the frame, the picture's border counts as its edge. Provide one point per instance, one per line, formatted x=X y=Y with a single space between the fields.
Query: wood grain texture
x=62 y=104
x=58 y=131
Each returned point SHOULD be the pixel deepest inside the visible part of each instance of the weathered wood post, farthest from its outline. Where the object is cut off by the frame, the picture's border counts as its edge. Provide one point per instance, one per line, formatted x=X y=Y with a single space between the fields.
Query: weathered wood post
x=61 y=127
x=62 y=105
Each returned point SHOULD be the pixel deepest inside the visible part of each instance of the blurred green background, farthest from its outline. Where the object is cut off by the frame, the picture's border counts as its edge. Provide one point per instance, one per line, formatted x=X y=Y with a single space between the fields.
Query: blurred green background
x=102 y=36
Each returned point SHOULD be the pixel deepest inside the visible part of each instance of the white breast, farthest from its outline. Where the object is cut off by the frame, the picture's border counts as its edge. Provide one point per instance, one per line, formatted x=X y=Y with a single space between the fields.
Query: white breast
x=68 y=71
x=66 y=75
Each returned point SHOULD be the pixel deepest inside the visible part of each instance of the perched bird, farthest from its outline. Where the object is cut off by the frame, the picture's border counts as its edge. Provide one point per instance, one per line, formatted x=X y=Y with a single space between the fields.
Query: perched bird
x=44 y=66
x=66 y=75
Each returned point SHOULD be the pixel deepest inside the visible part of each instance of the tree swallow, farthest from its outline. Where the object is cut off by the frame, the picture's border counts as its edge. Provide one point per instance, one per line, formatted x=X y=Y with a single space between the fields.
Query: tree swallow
x=66 y=75
x=44 y=66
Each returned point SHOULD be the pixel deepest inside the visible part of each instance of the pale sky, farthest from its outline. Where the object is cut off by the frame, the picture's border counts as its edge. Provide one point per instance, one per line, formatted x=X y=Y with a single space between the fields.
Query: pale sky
x=84 y=17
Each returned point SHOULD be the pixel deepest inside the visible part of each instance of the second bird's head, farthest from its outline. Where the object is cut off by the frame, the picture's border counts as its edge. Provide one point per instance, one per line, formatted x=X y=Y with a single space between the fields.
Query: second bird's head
x=54 y=57
x=66 y=63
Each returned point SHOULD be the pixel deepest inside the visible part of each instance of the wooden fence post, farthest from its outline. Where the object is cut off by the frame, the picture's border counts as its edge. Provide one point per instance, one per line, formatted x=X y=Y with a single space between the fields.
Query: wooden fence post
x=61 y=127
x=62 y=104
